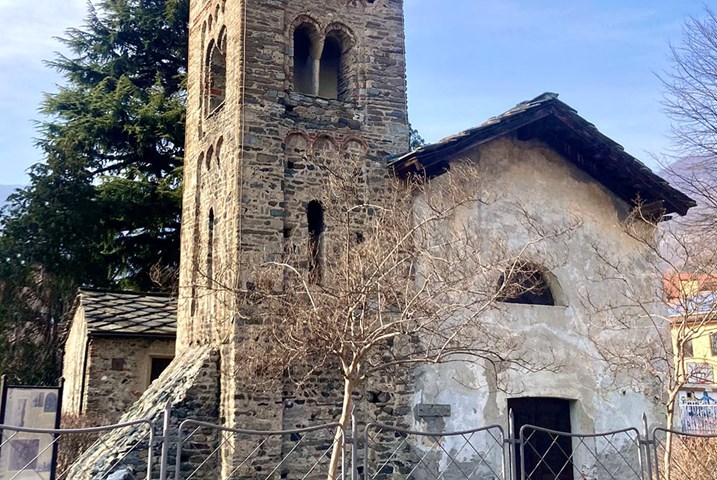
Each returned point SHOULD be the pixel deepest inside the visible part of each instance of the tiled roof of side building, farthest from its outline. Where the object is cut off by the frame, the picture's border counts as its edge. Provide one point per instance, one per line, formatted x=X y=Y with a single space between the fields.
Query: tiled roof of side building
x=558 y=125
x=128 y=313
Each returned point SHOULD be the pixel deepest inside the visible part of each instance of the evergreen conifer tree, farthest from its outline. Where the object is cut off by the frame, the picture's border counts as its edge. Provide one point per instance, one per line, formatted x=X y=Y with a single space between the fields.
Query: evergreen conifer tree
x=103 y=209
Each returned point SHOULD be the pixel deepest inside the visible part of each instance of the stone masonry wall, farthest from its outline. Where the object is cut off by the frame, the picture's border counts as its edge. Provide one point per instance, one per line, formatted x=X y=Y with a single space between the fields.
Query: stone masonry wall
x=251 y=166
x=245 y=188
x=317 y=401
x=190 y=384
x=118 y=372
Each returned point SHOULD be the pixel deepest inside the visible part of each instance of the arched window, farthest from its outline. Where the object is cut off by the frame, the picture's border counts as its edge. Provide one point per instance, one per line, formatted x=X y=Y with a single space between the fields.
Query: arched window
x=525 y=283
x=210 y=248
x=331 y=68
x=315 y=217
x=338 y=66
x=320 y=60
x=305 y=61
x=217 y=76
x=218 y=153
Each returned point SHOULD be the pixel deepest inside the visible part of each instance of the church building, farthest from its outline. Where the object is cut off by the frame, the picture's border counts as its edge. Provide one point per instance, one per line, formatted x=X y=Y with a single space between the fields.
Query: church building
x=277 y=87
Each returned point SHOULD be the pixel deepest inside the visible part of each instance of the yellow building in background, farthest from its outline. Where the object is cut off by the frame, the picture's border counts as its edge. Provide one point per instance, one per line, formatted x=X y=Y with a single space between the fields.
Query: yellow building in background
x=693 y=315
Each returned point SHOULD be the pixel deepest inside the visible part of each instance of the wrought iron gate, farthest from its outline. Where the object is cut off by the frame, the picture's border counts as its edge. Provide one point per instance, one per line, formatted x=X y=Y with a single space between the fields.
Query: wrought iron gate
x=547 y=453
x=395 y=453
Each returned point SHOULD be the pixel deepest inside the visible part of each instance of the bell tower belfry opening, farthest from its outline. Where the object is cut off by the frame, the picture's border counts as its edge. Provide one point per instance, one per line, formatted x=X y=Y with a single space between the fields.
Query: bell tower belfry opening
x=275 y=90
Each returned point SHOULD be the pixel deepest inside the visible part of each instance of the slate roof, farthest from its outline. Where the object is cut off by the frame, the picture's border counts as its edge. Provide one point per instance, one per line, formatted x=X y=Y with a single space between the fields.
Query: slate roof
x=128 y=314
x=548 y=119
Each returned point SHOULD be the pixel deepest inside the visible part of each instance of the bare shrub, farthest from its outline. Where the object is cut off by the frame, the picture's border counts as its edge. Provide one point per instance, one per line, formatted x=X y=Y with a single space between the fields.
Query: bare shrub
x=692 y=458
x=70 y=446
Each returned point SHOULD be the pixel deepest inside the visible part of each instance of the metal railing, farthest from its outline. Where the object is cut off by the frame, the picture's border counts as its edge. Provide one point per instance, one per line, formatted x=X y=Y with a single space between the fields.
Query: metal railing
x=26 y=447
x=398 y=453
x=546 y=453
x=196 y=450
x=684 y=456
x=302 y=453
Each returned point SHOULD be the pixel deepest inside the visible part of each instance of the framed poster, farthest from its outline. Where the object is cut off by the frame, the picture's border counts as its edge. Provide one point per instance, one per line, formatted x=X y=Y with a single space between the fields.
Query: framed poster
x=26 y=455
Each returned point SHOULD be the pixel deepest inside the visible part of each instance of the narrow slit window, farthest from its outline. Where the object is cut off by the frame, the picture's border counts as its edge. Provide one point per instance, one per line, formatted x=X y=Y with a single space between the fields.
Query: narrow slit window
x=210 y=249
x=315 y=217
x=193 y=304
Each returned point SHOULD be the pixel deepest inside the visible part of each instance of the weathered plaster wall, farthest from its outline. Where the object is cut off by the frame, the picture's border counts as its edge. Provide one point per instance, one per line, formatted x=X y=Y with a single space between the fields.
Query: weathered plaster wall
x=111 y=390
x=73 y=365
x=568 y=338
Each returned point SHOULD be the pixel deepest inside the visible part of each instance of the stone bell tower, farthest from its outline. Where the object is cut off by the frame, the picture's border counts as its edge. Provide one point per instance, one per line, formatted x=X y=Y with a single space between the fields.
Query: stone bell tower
x=273 y=84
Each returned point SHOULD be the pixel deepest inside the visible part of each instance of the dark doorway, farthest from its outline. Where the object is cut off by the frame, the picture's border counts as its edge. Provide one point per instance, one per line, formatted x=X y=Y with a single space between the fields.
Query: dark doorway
x=159 y=364
x=547 y=456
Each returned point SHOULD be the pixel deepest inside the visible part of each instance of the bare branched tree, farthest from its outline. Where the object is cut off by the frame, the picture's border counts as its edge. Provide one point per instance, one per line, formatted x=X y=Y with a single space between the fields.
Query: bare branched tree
x=373 y=287
x=690 y=100
x=687 y=247
x=691 y=88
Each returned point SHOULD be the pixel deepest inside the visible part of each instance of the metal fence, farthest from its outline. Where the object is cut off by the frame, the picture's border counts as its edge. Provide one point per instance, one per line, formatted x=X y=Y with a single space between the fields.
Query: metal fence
x=684 y=456
x=546 y=453
x=195 y=450
x=32 y=453
x=302 y=453
x=396 y=453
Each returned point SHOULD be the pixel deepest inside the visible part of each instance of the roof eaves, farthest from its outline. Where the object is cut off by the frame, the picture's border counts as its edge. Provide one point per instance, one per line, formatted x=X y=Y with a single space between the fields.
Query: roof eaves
x=427 y=159
x=456 y=144
x=124 y=293
x=673 y=199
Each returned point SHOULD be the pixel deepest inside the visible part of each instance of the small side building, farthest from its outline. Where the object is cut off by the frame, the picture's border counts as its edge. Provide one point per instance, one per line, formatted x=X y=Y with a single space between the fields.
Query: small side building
x=118 y=343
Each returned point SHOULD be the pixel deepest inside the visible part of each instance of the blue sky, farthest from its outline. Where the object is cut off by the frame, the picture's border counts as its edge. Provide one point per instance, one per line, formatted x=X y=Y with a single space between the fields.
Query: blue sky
x=467 y=60
x=481 y=57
